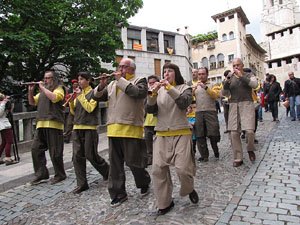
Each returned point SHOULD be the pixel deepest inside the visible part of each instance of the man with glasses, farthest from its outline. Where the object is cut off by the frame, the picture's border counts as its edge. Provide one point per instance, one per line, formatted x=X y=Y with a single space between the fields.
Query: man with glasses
x=239 y=86
x=126 y=96
x=49 y=128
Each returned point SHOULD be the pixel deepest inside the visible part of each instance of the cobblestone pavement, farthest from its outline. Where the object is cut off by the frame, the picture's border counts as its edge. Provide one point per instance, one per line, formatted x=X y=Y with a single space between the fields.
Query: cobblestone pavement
x=266 y=192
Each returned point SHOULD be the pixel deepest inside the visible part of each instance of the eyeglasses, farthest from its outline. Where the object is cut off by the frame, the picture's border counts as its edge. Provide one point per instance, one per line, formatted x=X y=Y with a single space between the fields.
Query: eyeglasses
x=123 y=66
x=47 y=78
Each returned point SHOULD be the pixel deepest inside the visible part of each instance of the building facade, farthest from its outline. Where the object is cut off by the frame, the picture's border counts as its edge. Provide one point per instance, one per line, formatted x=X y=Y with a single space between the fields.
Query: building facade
x=151 y=49
x=231 y=41
x=280 y=29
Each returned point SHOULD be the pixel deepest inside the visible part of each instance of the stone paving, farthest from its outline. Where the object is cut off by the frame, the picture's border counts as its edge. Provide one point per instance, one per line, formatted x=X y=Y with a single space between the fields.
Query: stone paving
x=266 y=192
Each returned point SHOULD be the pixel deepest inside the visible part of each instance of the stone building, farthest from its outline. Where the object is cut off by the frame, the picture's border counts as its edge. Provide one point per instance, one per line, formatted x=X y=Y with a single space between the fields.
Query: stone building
x=280 y=29
x=217 y=49
x=152 y=48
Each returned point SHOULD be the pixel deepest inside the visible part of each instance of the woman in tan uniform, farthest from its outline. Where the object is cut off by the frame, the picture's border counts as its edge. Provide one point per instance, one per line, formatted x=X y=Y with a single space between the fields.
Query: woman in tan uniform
x=173 y=141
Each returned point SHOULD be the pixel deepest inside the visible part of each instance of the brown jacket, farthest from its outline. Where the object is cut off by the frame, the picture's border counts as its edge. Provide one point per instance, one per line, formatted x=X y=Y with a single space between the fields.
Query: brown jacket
x=171 y=107
x=241 y=107
x=126 y=107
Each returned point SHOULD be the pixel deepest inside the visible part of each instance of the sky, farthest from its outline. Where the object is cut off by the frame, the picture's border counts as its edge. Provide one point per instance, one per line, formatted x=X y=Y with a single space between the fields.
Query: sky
x=168 y=15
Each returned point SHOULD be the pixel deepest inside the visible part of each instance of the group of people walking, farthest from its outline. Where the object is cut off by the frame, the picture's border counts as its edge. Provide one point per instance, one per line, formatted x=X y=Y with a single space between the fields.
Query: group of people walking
x=132 y=105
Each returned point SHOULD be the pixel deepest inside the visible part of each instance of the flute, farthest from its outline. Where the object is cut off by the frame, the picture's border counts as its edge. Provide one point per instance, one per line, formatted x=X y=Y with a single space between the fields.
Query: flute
x=104 y=77
x=30 y=83
x=69 y=100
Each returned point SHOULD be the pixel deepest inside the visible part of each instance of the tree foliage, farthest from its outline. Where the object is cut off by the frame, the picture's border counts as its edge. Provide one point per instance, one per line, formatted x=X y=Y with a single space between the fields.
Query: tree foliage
x=69 y=35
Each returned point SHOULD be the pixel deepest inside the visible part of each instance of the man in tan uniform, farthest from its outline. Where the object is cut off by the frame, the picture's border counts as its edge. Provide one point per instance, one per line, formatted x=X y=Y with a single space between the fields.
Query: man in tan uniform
x=126 y=96
x=241 y=110
x=207 y=123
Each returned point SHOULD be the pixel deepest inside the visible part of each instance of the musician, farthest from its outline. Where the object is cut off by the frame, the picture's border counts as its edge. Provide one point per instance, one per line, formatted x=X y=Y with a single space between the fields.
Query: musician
x=173 y=142
x=207 y=123
x=70 y=117
x=85 y=137
x=241 y=110
x=150 y=122
x=126 y=96
x=49 y=128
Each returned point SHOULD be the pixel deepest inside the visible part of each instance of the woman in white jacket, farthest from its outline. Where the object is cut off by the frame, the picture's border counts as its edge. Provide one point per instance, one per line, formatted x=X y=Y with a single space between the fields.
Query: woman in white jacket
x=6 y=133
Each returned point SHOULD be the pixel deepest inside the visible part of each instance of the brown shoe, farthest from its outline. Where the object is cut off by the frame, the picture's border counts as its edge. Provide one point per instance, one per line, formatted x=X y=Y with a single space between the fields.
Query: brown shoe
x=251 y=156
x=12 y=162
x=37 y=181
x=237 y=164
x=78 y=190
x=56 y=180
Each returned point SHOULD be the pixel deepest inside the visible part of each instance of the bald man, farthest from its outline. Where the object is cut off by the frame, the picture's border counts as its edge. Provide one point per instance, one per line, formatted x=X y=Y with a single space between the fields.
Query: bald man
x=241 y=110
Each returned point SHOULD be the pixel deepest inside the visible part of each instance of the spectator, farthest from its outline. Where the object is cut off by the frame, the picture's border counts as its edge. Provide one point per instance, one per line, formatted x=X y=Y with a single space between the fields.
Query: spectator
x=292 y=94
x=273 y=96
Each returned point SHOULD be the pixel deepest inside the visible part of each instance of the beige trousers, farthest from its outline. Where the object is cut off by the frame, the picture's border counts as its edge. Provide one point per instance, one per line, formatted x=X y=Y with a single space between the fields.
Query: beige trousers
x=176 y=151
x=236 y=144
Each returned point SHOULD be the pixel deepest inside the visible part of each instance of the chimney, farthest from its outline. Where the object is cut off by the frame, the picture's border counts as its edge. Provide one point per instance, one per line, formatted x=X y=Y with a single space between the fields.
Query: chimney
x=186 y=30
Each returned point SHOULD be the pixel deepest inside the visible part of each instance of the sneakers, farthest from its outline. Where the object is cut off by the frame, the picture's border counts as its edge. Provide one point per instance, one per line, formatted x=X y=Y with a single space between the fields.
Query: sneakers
x=161 y=212
x=118 y=201
x=194 y=197
x=145 y=191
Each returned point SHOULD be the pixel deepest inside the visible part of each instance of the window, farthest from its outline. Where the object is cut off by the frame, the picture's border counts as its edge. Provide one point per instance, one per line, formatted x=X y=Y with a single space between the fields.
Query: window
x=288 y=60
x=195 y=65
x=220 y=58
x=231 y=17
x=169 y=43
x=133 y=44
x=279 y=63
x=231 y=35
x=270 y=65
x=291 y=31
x=230 y=57
x=157 y=69
x=204 y=62
x=222 y=20
x=133 y=37
x=152 y=41
x=272 y=2
x=212 y=62
x=224 y=37
x=280 y=2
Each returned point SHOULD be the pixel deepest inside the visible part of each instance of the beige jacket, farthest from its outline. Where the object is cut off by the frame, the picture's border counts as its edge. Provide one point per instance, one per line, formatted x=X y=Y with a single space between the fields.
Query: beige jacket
x=126 y=107
x=171 y=107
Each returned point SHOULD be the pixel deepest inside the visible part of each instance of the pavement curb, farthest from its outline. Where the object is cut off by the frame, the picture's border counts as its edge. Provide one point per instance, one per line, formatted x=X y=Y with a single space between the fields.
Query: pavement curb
x=28 y=177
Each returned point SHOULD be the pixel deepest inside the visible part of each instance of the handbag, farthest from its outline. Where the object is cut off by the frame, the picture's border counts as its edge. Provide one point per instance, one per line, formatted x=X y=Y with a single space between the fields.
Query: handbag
x=257 y=105
x=286 y=104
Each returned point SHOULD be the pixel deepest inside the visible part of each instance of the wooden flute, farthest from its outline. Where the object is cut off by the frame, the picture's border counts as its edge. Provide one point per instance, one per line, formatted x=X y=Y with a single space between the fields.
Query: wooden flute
x=71 y=98
x=30 y=83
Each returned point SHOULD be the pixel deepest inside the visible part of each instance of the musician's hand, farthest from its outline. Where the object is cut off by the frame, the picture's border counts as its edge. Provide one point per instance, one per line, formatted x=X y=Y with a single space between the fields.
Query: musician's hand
x=164 y=82
x=77 y=91
x=41 y=84
x=237 y=72
x=117 y=75
x=155 y=87
x=201 y=84
x=31 y=87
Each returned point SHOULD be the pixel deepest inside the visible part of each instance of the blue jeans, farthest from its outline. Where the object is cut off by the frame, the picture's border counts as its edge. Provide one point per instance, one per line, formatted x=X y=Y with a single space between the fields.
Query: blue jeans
x=274 y=109
x=260 y=113
x=295 y=101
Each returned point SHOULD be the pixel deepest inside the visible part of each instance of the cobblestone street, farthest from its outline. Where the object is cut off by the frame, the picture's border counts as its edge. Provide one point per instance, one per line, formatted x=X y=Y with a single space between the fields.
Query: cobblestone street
x=266 y=192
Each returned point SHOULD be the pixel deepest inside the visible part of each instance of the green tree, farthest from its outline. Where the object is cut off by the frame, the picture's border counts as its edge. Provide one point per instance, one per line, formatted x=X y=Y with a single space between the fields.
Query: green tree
x=39 y=35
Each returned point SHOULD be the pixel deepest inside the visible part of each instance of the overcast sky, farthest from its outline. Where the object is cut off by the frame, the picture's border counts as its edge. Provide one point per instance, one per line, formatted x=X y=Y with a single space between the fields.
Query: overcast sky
x=168 y=15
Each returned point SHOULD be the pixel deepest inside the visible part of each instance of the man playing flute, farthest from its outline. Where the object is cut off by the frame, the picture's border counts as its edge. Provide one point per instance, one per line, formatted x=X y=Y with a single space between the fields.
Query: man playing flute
x=126 y=96
x=49 y=128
